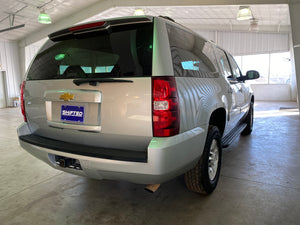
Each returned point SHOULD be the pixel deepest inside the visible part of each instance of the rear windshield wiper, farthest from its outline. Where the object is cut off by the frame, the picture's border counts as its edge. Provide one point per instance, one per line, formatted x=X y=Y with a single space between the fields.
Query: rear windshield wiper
x=94 y=81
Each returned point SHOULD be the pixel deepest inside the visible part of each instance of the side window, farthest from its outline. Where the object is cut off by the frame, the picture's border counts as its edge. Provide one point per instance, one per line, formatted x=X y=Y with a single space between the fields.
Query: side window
x=235 y=68
x=192 y=56
x=221 y=56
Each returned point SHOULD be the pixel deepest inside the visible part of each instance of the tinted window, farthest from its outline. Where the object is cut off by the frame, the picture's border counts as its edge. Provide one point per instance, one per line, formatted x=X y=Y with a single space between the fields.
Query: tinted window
x=192 y=56
x=222 y=58
x=120 y=53
x=235 y=69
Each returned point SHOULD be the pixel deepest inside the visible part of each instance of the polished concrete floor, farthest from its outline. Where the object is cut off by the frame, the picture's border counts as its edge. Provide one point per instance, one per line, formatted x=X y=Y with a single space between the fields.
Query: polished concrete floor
x=259 y=183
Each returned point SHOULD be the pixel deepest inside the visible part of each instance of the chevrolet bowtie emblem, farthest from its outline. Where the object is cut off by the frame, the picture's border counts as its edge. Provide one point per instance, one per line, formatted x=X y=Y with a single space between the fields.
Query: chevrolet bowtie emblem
x=66 y=97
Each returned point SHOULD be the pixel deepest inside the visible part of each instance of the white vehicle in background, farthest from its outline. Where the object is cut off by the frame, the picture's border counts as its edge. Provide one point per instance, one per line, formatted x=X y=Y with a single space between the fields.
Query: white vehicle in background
x=141 y=99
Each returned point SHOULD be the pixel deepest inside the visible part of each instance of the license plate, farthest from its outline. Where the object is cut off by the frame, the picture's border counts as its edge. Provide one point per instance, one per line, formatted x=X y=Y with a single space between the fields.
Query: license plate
x=72 y=113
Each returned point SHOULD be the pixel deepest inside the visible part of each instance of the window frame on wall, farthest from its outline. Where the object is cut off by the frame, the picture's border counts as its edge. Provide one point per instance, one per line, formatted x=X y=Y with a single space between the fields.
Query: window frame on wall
x=287 y=58
x=266 y=76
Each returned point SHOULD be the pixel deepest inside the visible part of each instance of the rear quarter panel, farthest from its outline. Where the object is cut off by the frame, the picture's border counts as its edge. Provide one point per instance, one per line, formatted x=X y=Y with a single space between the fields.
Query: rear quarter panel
x=198 y=97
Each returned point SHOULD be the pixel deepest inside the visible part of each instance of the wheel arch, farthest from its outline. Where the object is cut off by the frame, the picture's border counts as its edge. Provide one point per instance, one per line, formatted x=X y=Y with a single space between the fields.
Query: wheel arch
x=252 y=99
x=218 y=119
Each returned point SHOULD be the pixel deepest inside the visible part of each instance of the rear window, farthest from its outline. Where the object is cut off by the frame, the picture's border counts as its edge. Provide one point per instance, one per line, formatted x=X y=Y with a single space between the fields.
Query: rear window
x=125 y=52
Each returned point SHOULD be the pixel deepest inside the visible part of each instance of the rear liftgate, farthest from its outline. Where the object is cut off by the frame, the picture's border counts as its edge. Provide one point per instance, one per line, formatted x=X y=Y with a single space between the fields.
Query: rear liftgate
x=74 y=109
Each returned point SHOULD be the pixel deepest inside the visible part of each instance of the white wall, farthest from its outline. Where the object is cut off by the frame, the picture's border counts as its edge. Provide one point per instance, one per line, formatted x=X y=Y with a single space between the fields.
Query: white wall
x=9 y=52
x=249 y=43
x=272 y=92
x=242 y=43
x=31 y=51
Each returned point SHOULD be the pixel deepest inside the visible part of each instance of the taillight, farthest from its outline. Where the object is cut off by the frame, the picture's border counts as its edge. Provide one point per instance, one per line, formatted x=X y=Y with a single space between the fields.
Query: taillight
x=165 y=107
x=22 y=101
x=87 y=26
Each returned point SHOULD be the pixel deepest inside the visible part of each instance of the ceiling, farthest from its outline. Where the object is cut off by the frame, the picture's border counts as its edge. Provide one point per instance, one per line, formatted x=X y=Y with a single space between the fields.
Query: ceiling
x=27 y=12
x=221 y=17
x=271 y=18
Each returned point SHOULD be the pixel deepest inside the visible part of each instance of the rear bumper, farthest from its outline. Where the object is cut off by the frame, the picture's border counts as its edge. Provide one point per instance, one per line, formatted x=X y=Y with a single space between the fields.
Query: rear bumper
x=166 y=158
x=84 y=150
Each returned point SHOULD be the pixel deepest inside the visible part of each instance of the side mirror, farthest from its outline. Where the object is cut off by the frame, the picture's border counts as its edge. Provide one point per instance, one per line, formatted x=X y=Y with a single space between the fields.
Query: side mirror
x=251 y=75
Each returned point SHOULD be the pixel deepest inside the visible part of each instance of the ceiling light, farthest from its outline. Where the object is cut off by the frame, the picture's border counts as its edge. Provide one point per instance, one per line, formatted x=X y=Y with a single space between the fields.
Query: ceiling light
x=44 y=18
x=139 y=12
x=244 y=13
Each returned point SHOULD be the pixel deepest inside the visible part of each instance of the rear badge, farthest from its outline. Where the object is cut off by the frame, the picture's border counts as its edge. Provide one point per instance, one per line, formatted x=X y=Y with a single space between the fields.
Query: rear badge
x=72 y=113
x=66 y=97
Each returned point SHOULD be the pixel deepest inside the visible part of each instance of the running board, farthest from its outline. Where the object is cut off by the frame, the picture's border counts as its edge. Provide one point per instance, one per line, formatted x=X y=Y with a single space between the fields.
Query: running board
x=229 y=138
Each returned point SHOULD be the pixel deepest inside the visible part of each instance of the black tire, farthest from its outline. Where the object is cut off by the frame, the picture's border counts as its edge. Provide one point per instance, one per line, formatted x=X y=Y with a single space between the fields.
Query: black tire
x=248 y=121
x=198 y=179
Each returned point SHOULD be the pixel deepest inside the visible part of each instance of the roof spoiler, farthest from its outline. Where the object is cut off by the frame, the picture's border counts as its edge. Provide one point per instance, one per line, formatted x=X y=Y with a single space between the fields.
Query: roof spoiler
x=95 y=26
x=167 y=18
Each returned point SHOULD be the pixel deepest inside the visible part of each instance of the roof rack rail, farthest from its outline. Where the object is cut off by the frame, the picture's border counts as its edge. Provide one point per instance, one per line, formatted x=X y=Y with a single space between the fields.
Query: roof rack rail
x=167 y=18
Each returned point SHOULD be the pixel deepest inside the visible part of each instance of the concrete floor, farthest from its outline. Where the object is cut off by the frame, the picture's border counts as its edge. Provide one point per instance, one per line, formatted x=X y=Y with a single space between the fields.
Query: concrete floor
x=259 y=183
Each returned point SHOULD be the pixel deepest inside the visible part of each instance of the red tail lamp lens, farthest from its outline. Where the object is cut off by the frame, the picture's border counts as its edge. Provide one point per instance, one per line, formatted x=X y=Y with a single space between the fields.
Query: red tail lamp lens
x=23 y=101
x=165 y=108
x=87 y=26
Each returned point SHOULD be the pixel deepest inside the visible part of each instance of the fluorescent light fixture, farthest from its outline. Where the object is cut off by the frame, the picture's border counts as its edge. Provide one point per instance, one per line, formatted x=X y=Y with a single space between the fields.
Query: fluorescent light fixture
x=139 y=12
x=244 y=13
x=44 y=18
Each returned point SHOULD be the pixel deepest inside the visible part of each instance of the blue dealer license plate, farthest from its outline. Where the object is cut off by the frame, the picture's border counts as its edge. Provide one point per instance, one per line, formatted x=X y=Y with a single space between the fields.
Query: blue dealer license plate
x=72 y=113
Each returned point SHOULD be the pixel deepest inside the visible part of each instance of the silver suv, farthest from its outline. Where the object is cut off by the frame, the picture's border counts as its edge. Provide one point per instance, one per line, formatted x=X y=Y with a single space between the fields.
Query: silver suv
x=141 y=99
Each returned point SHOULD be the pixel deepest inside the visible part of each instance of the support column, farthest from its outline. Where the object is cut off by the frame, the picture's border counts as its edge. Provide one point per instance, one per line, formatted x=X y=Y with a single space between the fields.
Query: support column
x=294 y=6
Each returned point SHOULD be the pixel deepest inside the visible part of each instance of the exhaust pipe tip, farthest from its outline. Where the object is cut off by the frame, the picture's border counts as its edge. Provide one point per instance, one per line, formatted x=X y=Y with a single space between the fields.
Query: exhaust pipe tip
x=152 y=188
x=62 y=163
